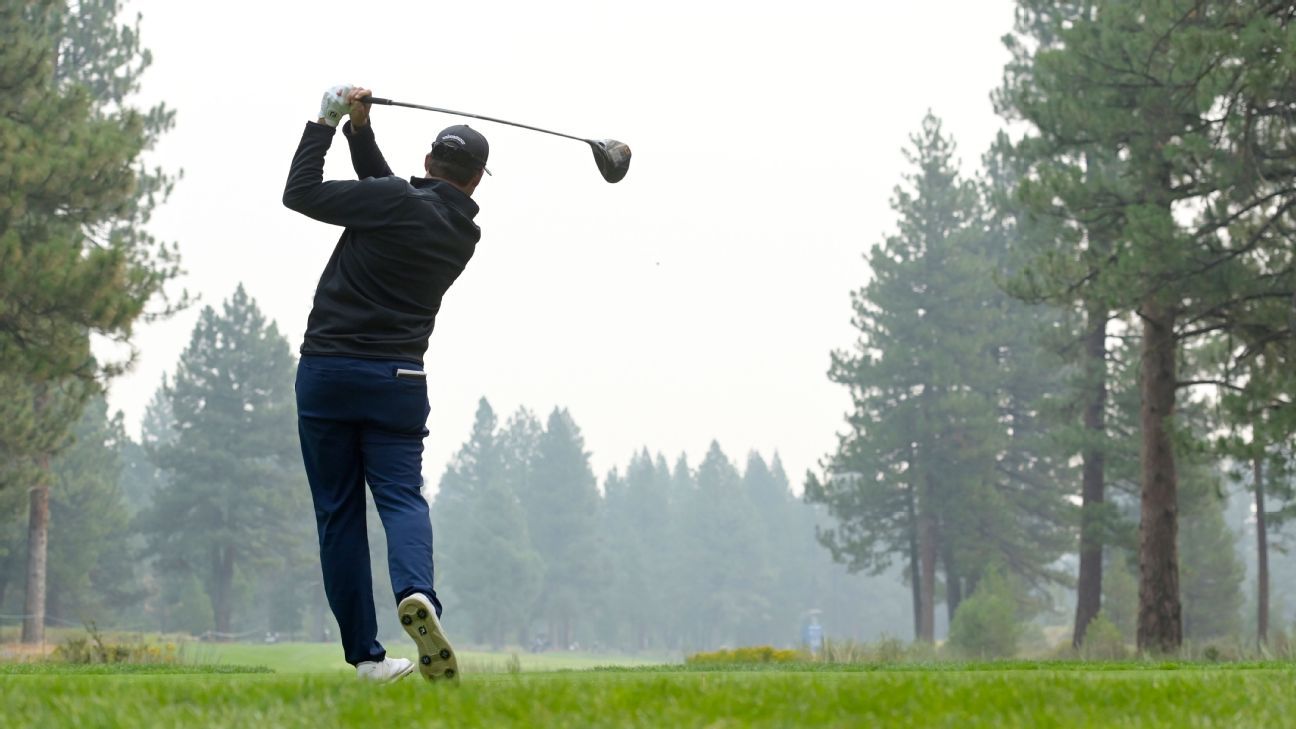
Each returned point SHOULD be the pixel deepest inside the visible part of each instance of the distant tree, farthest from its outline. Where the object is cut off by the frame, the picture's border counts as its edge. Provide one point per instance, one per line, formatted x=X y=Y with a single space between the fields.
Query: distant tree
x=776 y=536
x=731 y=564
x=484 y=553
x=141 y=476
x=92 y=560
x=1259 y=436
x=635 y=518
x=1120 y=591
x=235 y=497
x=1212 y=571
x=562 y=508
x=943 y=446
x=678 y=553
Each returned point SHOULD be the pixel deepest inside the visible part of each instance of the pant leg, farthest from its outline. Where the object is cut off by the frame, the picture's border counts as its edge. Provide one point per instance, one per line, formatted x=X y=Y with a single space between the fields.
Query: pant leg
x=392 y=447
x=333 y=458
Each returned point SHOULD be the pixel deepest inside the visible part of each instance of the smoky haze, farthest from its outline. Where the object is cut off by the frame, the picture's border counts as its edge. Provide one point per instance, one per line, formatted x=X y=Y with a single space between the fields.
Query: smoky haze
x=695 y=300
x=851 y=349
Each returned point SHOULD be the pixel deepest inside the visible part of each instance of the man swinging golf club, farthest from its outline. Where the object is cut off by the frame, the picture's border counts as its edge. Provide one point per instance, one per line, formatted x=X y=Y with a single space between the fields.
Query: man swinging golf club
x=362 y=403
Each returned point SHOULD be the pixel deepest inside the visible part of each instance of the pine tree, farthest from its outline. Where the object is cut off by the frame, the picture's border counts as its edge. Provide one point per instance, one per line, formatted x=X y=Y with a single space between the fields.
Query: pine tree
x=74 y=259
x=235 y=498
x=942 y=447
x=765 y=487
x=735 y=569
x=1212 y=572
x=562 y=507
x=635 y=517
x=1192 y=99
x=485 y=562
x=92 y=560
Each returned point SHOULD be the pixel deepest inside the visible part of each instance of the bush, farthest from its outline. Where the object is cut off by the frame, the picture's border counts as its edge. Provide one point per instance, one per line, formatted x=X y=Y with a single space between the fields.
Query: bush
x=1103 y=641
x=92 y=648
x=986 y=624
x=885 y=650
x=753 y=654
x=1280 y=645
x=847 y=651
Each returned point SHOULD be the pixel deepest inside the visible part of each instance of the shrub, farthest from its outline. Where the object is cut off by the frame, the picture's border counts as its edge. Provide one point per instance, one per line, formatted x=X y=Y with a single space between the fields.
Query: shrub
x=845 y=651
x=1103 y=641
x=1280 y=645
x=753 y=654
x=885 y=650
x=92 y=648
x=986 y=624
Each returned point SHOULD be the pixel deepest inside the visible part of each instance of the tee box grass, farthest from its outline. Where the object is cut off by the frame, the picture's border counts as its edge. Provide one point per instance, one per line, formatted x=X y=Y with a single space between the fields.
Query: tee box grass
x=1017 y=694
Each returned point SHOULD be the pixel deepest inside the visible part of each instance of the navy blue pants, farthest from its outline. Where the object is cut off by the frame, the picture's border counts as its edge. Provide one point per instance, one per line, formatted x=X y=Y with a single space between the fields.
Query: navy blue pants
x=359 y=422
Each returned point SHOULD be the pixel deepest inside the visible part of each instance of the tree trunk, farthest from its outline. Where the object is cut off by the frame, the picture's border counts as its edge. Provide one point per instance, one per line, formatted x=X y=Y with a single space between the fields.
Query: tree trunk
x=1262 y=556
x=927 y=549
x=915 y=570
x=1160 y=624
x=222 y=598
x=33 y=630
x=953 y=583
x=1093 y=483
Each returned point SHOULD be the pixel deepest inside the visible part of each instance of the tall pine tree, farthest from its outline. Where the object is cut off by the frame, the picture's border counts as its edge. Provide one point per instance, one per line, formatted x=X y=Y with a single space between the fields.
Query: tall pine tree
x=74 y=259
x=1193 y=98
x=235 y=500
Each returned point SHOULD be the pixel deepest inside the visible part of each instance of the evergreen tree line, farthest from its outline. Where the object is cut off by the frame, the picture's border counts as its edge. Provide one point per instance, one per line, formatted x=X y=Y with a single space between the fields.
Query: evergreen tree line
x=1066 y=362
x=205 y=526
x=663 y=557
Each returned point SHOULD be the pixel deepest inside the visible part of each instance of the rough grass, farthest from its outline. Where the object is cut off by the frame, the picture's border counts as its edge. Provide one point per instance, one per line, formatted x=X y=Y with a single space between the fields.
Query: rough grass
x=964 y=695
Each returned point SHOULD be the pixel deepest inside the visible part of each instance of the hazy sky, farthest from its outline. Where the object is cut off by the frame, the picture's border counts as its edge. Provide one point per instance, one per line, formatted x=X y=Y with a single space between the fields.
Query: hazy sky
x=698 y=299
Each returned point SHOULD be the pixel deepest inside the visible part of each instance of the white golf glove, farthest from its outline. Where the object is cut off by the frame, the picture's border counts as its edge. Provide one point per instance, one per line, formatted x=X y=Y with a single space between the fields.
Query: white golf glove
x=334 y=106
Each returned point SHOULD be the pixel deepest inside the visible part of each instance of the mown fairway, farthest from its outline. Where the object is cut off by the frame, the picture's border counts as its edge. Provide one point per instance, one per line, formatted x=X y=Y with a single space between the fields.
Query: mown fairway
x=943 y=695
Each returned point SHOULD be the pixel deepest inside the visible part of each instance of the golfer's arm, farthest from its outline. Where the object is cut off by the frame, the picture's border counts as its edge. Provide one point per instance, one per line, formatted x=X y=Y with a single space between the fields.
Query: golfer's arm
x=350 y=203
x=365 y=156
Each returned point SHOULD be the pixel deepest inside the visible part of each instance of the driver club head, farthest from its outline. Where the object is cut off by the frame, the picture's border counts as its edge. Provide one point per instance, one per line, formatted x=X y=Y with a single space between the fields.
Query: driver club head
x=612 y=158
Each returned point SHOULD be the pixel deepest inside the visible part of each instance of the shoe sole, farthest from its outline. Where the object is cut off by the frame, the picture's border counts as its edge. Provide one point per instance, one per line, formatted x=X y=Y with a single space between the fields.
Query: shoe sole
x=437 y=660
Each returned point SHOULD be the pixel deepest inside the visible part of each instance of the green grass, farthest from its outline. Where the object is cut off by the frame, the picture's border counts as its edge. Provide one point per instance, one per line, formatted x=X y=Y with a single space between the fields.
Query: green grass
x=327 y=657
x=52 y=668
x=963 y=695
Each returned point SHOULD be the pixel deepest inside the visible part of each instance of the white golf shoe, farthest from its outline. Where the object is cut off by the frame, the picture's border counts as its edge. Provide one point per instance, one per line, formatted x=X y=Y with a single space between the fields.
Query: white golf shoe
x=437 y=660
x=385 y=671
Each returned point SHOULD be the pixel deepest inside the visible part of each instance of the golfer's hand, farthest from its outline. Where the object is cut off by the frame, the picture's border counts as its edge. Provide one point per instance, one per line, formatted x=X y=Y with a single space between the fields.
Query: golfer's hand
x=359 y=109
x=335 y=105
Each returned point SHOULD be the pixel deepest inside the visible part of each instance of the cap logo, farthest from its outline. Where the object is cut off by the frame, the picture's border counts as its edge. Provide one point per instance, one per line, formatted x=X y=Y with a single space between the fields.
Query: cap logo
x=456 y=138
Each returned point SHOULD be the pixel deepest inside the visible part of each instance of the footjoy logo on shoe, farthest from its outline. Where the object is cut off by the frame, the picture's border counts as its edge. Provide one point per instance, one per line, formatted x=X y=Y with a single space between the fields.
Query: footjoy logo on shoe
x=456 y=138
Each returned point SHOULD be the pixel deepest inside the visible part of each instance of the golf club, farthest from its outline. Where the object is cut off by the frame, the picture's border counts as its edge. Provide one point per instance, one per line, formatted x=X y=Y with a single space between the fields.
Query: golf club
x=611 y=156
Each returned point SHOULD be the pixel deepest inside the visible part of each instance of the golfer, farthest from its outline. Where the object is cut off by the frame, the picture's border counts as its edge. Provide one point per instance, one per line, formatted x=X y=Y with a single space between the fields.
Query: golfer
x=362 y=403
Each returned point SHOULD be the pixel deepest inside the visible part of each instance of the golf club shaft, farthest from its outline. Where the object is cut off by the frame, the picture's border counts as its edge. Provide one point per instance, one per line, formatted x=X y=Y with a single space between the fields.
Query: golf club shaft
x=389 y=102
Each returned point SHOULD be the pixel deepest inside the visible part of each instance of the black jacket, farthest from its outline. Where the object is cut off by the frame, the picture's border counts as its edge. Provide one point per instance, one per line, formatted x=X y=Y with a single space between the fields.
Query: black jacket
x=405 y=242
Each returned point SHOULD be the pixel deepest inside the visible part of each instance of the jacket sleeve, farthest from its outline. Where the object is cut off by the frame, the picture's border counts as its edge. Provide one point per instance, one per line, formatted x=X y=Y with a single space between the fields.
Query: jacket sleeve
x=365 y=155
x=361 y=204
